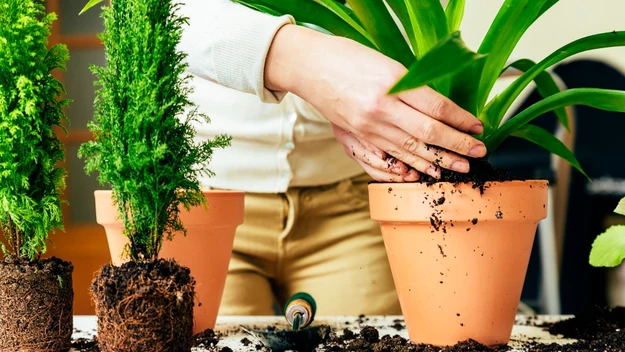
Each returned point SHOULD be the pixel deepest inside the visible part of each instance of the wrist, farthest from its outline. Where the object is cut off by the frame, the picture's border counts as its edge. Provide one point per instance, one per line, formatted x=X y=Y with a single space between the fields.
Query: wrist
x=294 y=57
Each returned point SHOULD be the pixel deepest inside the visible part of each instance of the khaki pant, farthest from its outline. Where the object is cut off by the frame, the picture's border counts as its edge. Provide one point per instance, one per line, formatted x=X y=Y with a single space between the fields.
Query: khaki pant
x=320 y=240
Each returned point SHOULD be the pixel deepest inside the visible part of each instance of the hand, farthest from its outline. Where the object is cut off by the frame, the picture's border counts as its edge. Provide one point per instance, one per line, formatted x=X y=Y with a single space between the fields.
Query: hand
x=348 y=83
x=374 y=161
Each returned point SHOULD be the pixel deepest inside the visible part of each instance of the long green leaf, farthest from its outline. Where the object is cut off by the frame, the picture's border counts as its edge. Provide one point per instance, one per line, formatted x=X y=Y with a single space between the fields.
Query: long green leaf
x=400 y=10
x=548 y=4
x=329 y=17
x=548 y=141
x=546 y=86
x=428 y=22
x=608 y=249
x=272 y=12
x=464 y=86
x=497 y=108
x=511 y=22
x=446 y=59
x=89 y=5
x=604 y=99
x=378 y=21
x=454 y=12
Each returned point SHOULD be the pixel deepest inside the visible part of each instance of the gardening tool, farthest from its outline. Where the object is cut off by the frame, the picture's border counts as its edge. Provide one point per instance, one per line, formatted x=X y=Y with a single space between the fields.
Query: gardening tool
x=299 y=312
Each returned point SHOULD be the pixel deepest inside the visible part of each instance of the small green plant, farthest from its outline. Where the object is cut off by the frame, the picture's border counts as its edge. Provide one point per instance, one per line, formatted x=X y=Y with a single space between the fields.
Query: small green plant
x=436 y=55
x=608 y=249
x=143 y=125
x=30 y=107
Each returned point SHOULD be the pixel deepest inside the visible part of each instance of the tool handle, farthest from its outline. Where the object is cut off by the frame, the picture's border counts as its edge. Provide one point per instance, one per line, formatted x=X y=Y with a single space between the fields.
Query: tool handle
x=303 y=304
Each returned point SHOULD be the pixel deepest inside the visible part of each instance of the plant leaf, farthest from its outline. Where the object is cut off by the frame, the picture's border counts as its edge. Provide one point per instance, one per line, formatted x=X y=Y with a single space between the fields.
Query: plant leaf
x=548 y=141
x=89 y=5
x=400 y=10
x=548 y=4
x=604 y=99
x=620 y=208
x=497 y=108
x=330 y=17
x=511 y=22
x=464 y=86
x=428 y=22
x=608 y=249
x=377 y=20
x=444 y=60
x=546 y=86
x=454 y=12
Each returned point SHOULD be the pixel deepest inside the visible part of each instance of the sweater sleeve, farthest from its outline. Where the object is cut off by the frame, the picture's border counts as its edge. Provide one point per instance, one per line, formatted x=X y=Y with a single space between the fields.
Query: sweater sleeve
x=227 y=43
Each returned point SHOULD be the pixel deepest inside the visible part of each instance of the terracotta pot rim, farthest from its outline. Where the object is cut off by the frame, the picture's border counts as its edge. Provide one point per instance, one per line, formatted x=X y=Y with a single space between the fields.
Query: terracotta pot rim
x=211 y=192
x=421 y=185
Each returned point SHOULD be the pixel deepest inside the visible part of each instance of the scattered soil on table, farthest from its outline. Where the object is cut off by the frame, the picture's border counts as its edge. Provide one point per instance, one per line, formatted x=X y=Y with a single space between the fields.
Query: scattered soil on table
x=207 y=338
x=144 y=306
x=36 y=304
x=85 y=345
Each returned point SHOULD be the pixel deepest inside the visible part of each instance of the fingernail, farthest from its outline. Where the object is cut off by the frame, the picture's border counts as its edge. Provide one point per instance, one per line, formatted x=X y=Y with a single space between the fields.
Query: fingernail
x=477 y=129
x=397 y=170
x=478 y=151
x=460 y=166
x=432 y=172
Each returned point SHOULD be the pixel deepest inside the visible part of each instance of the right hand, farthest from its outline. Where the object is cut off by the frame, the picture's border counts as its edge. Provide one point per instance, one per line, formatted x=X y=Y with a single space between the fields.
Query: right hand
x=348 y=83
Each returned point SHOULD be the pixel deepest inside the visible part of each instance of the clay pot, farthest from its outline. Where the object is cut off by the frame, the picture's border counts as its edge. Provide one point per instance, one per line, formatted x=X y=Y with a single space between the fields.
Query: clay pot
x=458 y=257
x=206 y=250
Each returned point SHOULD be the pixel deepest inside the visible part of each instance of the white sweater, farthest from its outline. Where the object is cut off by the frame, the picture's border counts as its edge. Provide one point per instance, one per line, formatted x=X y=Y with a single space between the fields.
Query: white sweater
x=279 y=141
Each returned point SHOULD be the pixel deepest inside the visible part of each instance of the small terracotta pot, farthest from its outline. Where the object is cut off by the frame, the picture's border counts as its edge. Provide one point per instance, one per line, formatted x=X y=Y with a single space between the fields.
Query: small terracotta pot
x=458 y=257
x=205 y=250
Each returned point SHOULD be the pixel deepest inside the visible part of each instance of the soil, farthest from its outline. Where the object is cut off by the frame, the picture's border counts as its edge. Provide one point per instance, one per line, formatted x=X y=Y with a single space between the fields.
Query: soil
x=36 y=305
x=144 y=306
x=479 y=174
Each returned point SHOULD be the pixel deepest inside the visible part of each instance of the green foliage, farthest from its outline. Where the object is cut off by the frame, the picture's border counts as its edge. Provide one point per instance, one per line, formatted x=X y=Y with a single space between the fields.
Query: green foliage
x=466 y=77
x=608 y=249
x=30 y=107
x=143 y=125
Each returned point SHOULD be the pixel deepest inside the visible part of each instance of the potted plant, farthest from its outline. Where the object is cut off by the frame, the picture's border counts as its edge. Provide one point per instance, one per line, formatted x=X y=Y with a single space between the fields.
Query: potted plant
x=36 y=294
x=459 y=245
x=144 y=147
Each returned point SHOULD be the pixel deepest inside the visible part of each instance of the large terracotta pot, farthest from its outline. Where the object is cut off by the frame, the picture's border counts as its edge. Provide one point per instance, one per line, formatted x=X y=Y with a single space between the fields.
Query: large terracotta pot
x=458 y=257
x=206 y=249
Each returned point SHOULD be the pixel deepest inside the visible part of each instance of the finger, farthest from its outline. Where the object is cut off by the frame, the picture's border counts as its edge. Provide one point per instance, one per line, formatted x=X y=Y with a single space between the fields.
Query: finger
x=417 y=162
x=371 y=155
x=434 y=132
x=383 y=176
x=441 y=108
x=434 y=154
x=411 y=176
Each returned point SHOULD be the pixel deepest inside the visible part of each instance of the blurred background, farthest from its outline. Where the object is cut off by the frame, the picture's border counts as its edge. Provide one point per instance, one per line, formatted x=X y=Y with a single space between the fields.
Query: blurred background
x=559 y=279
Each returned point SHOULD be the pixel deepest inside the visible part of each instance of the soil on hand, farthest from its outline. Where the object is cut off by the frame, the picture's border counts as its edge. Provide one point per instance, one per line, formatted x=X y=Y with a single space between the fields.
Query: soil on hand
x=479 y=174
x=36 y=305
x=146 y=306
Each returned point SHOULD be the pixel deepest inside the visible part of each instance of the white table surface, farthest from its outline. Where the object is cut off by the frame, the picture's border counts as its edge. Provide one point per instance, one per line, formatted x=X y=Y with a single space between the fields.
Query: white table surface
x=86 y=326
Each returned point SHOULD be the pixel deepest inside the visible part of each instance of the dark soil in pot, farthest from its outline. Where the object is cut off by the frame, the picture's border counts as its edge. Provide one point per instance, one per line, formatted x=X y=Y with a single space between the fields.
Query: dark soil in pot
x=36 y=312
x=145 y=306
x=479 y=173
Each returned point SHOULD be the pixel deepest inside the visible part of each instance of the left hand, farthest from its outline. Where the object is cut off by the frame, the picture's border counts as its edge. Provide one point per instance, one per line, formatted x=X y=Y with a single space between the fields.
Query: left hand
x=373 y=160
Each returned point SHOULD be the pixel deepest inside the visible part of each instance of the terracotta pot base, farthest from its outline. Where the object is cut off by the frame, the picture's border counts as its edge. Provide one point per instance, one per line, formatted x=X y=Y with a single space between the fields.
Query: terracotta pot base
x=458 y=257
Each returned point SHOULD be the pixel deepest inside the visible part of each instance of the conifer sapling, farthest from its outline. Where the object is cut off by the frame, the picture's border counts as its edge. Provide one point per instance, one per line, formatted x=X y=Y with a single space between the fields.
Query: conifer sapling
x=143 y=127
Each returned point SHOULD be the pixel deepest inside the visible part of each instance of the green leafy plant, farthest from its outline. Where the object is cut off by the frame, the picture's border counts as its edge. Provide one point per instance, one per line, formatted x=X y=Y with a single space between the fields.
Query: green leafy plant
x=30 y=107
x=436 y=55
x=143 y=125
x=608 y=249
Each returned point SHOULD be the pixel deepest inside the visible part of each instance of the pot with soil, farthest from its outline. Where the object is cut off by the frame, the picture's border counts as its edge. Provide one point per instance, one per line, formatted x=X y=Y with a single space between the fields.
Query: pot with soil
x=459 y=252
x=414 y=227
x=144 y=147
x=36 y=294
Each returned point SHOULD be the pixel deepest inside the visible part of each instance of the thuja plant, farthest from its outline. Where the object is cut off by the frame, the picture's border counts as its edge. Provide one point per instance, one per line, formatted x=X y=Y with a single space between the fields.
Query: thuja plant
x=30 y=108
x=608 y=249
x=143 y=130
x=436 y=55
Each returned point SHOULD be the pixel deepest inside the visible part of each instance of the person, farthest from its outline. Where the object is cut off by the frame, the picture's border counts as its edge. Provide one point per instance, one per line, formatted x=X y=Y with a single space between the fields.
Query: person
x=312 y=125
